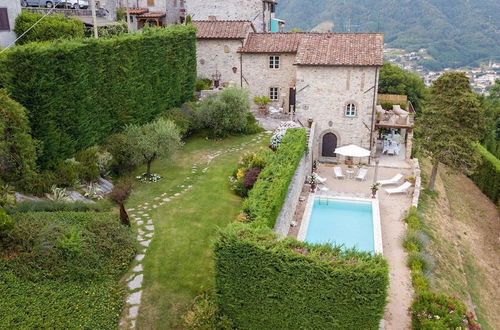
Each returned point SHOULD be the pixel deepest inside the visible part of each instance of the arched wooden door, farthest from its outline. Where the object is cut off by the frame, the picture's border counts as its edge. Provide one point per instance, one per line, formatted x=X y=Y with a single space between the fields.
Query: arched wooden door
x=329 y=145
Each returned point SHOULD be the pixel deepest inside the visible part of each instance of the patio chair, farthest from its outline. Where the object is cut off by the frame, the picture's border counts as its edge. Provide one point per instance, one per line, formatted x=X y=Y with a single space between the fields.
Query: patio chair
x=394 y=180
x=337 y=171
x=362 y=174
x=402 y=189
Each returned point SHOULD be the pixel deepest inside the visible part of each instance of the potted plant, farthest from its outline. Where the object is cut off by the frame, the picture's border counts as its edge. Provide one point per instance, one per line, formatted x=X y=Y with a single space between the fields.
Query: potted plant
x=375 y=187
x=262 y=102
x=312 y=182
x=315 y=166
x=411 y=180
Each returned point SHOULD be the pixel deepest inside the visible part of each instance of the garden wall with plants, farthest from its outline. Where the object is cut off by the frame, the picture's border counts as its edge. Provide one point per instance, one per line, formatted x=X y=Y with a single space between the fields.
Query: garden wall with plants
x=62 y=269
x=487 y=175
x=266 y=199
x=80 y=91
x=264 y=283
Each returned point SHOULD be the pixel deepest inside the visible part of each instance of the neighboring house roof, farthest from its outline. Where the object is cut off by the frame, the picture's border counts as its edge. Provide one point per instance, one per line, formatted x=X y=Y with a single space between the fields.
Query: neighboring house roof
x=352 y=49
x=326 y=49
x=272 y=43
x=138 y=11
x=223 y=29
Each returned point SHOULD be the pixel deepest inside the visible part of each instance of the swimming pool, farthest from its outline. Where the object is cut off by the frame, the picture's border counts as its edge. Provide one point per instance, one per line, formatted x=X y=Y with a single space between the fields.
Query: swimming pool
x=351 y=223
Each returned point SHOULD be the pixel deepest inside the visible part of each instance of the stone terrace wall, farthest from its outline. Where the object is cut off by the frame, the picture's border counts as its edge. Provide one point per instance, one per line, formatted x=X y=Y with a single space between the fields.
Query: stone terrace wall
x=418 y=182
x=292 y=199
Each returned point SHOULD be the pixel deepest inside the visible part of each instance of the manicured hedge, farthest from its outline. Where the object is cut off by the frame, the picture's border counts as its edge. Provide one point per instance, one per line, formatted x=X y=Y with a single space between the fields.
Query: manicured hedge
x=80 y=91
x=263 y=283
x=52 y=27
x=265 y=200
x=487 y=175
x=61 y=270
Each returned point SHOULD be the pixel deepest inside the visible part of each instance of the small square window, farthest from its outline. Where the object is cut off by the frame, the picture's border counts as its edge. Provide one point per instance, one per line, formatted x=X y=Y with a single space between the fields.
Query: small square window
x=350 y=110
x=274 y=62
x=273 y=93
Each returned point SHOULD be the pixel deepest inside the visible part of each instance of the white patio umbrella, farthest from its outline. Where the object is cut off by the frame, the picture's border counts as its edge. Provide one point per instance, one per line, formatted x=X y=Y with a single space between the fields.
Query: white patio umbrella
x=352 y=150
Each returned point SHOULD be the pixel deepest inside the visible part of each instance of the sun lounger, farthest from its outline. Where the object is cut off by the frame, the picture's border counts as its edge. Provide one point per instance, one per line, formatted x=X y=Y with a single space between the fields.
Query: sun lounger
x=362 y=174
x=402 y=189
x=337 y=171
x=319 y=179
x=394 y=180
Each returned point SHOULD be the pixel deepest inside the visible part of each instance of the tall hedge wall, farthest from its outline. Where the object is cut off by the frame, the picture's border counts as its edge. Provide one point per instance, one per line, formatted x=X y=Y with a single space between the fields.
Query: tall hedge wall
x=263 y=283
x=52 y=27
x=78 y=92
x=487 y=175
x=265 y=200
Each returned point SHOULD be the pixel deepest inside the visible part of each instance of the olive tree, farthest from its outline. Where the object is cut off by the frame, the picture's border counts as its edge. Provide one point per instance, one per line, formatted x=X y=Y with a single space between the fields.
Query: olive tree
x=158 y=139
x=450 y=125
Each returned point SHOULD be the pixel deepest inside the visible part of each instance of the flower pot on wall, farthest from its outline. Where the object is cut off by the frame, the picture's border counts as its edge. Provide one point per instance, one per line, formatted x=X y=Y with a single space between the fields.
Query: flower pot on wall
x=262 y=111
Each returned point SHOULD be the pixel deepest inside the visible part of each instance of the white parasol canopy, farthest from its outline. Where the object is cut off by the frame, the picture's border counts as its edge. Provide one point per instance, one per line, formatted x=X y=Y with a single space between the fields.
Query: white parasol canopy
x=352 y=150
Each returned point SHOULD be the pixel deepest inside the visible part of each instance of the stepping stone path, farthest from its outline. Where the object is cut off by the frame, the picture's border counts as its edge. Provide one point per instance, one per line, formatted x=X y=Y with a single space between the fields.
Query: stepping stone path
x=145 y=230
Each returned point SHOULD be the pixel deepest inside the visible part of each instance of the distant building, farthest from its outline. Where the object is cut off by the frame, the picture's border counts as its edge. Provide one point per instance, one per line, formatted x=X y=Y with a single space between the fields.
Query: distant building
x=9 y=9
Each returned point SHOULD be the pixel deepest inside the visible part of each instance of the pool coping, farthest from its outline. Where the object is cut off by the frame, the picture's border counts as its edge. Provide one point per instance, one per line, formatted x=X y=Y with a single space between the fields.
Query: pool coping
x=377 y=225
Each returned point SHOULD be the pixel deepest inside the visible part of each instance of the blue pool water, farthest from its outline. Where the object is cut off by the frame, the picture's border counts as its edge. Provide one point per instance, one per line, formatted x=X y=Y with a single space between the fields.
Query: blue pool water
x=342 y=223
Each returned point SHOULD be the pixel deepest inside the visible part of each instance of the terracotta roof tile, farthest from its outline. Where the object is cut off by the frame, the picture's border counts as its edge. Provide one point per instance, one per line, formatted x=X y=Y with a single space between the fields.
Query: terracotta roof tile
x=355 y=49
x=138 y=11
x=223 y=29
x=272 y=43
x=152 y=15
x=321 y=48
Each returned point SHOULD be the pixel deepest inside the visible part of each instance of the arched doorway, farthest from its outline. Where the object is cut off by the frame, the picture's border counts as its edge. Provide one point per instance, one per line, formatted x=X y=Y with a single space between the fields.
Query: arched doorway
x=329 y=144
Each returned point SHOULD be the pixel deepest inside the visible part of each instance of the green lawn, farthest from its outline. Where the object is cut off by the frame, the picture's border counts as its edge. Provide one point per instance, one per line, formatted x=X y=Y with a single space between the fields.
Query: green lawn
x=179 y=265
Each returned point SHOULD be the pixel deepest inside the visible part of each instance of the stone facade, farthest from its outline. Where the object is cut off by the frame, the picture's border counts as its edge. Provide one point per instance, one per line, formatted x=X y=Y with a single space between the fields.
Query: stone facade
x=219 y=55
x=259 y=12
x=7 y=34
x=323 y=93
x=258 y=77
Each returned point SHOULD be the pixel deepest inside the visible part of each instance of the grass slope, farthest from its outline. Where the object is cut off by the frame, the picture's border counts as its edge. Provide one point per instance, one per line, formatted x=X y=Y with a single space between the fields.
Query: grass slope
x=179 y=264
x=463 y=225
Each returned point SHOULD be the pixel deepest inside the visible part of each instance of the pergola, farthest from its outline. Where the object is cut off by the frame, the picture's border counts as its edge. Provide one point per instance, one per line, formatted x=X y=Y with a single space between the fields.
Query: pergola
x=153 y=19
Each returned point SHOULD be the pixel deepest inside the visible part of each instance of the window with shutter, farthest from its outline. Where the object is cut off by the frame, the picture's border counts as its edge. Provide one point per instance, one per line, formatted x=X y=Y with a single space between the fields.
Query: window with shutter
x=4 y=20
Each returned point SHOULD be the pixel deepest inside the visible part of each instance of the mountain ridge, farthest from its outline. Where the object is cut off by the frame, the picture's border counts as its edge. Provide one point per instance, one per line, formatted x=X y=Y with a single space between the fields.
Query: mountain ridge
x=456 y=34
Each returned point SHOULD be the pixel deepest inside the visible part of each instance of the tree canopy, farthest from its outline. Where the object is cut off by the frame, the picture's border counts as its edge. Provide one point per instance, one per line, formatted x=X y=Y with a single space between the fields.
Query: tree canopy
x=448 y=127
x=158 y=139
x=394 y=80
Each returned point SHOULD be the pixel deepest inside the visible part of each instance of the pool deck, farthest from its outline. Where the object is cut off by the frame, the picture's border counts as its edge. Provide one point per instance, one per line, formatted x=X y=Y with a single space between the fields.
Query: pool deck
x=392 y=211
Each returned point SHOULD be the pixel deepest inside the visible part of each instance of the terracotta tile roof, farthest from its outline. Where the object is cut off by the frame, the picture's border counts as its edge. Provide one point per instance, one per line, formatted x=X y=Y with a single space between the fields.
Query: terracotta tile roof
x=223 y=29
x=152 y=15
x=138 y=11
x=321 y=48
x=272 y=43
x=355 y=49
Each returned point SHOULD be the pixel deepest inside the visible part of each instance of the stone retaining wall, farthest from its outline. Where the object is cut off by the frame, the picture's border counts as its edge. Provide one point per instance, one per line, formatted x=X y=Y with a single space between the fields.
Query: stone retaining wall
x=418 y=182
x=292 y=198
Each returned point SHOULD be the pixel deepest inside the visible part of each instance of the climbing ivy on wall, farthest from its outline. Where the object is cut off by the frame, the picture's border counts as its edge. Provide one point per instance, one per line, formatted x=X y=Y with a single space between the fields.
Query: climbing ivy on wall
x=80 y=91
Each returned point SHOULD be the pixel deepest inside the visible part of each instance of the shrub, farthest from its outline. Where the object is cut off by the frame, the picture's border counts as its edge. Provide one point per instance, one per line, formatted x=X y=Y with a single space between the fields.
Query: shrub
x=18 y=150
x=182 y=120
x=389 y=105
x=421 y=261
x=88 y=169
x=69 y=261
x=251 y=177
x=122 y=157
x=253 y=126
x=6 y=222
x=226 y=113
x=203 y=84
x=487 y=175
x=266 y=198
x=88 y=89
x=204 y=314
x=66 y=174
x=30 y=206
x=433 y=311
x=52 y=27
x=413 y=241
x=265 y=283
